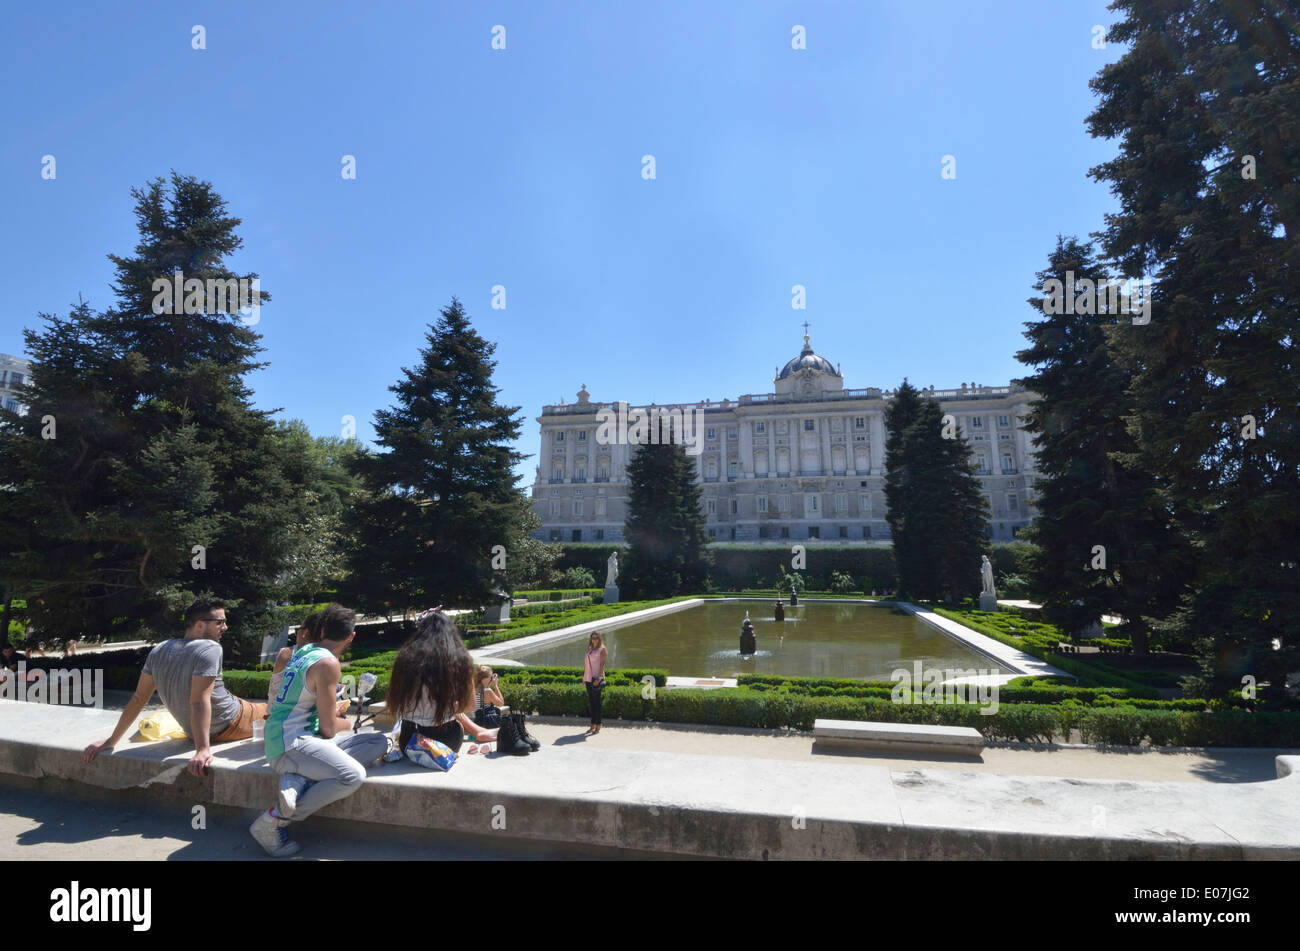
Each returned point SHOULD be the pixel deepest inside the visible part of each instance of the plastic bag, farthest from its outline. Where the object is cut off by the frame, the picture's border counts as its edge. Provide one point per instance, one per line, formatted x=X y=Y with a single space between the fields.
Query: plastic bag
x=430 y=754
x=161 y=726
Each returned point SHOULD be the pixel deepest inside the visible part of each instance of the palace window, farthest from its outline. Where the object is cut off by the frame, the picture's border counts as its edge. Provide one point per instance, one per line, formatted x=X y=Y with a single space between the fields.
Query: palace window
x=555 y=507
x=712 y=506
x=1003 y=421
x=577 y=506
x=557 y=475
x=762 y=504
x=731 y=469
x=734 y=506
x=814 y=531
x=977 y=422
x=600 y=507
x=577 y=535
x=760 y=427
x=810 y=503
x=859 y=423
x=581 y=474
x=785 y=531
x=864 y=502
x=600 y=534
x=555 y=534
x=731 y=433
x=844 y=531
x=809 y=425
x=841 y=503
x=1012 y=503
x=559 y=437
x=763 y=531
x=582 y=435
x=1007 y=464
x=711 y=434
x=783 y=503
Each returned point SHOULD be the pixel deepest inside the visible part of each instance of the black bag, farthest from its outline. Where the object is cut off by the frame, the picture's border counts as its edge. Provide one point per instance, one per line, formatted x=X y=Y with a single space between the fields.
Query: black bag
x=488 y=716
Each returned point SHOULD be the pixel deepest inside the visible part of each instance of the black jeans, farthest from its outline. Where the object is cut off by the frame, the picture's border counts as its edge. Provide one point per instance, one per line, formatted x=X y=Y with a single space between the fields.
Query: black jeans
x=593 y=701
x=450 y=733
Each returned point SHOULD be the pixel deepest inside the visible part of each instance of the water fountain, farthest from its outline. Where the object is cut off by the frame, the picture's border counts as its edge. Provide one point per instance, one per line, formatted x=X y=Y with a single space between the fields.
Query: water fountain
x=748 y=642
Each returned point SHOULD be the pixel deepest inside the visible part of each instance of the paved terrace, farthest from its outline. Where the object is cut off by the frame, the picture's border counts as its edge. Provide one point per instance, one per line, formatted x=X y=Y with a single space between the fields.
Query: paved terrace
x=711 y=804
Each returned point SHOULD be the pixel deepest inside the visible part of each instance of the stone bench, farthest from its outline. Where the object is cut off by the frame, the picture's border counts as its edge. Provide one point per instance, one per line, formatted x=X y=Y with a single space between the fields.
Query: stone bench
x=898 y=737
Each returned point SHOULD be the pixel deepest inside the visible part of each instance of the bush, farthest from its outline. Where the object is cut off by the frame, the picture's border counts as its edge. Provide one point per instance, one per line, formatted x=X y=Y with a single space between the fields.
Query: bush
x=841 y=583
x=579 y=577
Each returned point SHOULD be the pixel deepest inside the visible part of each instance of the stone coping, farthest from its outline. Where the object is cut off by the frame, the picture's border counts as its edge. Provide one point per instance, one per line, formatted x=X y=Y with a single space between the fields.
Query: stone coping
x=1006 y=656
x=728 y=807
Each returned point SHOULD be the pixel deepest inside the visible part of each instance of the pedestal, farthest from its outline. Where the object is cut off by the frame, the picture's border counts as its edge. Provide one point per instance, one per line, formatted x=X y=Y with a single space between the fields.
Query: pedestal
x=497 y=613
x=988 y=602
x=1092 y=630
x=611 y=594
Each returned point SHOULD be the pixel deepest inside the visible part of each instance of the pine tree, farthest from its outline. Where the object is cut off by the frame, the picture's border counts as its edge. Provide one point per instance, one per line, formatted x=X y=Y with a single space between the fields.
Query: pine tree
x=1107 y=541
x=936 y=511
x=1209 y=191
x=157 y=448
x=665 y=527
x=443 y=496
x=900 y=414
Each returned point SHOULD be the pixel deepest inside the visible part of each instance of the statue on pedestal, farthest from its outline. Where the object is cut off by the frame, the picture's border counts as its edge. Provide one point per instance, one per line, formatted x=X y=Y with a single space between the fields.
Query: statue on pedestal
x=611 y=569
x=986 y=575
x=779 y=611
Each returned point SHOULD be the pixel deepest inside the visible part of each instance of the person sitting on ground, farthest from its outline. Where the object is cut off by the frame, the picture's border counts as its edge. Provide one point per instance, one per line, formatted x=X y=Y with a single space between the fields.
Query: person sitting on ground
x=431 y=688
x=11 y=657
x=186 y=671
x=487 y=692
x=303 y=742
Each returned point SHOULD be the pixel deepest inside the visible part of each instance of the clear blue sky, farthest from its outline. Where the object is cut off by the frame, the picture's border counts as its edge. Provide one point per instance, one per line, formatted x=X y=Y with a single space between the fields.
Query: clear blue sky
x=523 y=167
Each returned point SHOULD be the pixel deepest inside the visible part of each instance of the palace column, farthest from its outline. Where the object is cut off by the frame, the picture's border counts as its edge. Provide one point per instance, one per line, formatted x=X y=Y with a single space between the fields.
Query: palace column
x=824 y=424
x=877 y=423
x=746 y=449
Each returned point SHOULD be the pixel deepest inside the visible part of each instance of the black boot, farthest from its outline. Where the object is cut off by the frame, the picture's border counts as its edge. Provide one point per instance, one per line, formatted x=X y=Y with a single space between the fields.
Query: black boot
x=521 y=731
x=509 y=741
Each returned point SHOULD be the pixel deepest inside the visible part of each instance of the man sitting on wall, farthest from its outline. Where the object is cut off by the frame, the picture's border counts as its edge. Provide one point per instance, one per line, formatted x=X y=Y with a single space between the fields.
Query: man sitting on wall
x=186 y=671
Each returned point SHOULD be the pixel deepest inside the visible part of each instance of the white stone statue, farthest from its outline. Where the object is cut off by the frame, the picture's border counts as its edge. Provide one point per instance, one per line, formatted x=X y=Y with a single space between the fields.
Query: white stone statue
x=986 y=573
x=611 y=569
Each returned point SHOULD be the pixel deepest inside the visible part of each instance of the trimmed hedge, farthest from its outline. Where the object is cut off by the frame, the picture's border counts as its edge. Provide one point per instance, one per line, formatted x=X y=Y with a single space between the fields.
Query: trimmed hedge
x=1020 y=722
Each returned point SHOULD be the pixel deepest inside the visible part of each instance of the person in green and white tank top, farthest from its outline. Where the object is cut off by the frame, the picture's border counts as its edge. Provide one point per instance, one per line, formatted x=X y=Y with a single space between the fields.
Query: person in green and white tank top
x=301 y=733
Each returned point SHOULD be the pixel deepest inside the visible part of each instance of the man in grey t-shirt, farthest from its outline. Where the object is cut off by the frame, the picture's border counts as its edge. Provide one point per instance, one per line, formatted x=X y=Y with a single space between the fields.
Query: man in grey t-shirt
x=186 y=672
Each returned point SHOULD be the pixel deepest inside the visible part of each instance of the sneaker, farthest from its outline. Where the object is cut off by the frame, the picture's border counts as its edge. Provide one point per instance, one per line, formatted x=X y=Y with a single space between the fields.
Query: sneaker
x=291 y=787
x=272 y=836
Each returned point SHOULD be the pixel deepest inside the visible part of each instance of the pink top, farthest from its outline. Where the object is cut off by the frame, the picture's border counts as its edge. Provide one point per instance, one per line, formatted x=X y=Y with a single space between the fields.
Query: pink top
x=595 y=666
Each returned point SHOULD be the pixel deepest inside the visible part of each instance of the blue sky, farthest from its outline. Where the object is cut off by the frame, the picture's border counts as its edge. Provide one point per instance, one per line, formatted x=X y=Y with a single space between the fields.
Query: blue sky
x=522 y=167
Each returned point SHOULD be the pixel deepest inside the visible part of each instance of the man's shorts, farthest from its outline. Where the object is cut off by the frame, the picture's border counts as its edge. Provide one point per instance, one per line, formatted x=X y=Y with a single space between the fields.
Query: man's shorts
x=241 y=728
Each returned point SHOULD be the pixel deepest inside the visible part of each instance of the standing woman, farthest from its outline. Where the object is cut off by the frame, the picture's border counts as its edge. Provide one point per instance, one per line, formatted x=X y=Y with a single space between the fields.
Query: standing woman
x=593 y=675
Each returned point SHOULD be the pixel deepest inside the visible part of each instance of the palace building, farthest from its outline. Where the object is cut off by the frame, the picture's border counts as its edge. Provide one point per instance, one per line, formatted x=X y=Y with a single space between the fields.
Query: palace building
x=806 y=461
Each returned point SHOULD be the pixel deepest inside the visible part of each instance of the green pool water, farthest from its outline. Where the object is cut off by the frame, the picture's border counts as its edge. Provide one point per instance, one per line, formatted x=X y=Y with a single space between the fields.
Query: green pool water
x=860 y=641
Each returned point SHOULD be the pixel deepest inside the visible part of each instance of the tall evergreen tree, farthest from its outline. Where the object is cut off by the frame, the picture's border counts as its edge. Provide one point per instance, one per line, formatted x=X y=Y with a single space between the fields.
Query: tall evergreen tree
x=936 y=511
x=443 y=496
x=1206 y=102
x=156 y=448
x=900 y=414
x=665 y=527
x=1106 y=538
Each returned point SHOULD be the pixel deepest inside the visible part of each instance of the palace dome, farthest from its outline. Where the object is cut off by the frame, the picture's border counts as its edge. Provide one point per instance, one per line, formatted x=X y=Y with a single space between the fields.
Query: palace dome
x=807 y=360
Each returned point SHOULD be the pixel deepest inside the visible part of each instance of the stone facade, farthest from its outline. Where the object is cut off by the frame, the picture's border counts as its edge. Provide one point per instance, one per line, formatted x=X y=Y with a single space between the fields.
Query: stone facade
x=804 y=462
x=14 y=371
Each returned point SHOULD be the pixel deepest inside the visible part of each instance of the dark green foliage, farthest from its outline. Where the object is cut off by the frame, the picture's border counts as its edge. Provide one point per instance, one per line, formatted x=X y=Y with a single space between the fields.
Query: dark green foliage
x=1205 y=90
x=667 y=546
x=1107 y=540
x=442 y=495
x=157 y=449
x=937 y=514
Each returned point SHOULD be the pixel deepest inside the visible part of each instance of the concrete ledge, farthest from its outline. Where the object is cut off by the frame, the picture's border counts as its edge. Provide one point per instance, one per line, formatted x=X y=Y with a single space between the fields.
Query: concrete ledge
x=899 y=737
x=713 y=805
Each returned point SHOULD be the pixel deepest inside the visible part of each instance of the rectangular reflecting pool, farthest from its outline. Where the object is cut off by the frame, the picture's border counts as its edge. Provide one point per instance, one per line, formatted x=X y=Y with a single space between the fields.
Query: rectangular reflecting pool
x=816 y=639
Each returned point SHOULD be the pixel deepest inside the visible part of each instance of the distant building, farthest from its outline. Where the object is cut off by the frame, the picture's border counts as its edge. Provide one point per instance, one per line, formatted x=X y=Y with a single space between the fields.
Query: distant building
x=14 y=372
x=804 y=462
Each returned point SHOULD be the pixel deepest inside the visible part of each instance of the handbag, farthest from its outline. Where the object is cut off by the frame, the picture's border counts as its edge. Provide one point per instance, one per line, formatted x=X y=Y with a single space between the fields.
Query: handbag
x=488 y=716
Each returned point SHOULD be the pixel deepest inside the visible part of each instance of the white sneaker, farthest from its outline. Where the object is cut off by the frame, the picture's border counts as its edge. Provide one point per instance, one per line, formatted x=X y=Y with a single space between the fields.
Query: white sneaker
x=291 y=787
x=272 y=836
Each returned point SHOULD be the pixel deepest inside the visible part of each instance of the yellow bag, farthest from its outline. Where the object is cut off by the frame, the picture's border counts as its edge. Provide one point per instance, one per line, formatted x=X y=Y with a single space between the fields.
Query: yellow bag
x=161 y=726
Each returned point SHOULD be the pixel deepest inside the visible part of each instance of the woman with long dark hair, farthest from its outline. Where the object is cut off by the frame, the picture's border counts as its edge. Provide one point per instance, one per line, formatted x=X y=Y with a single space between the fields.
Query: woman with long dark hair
x=593 y=676
x=432 y=686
